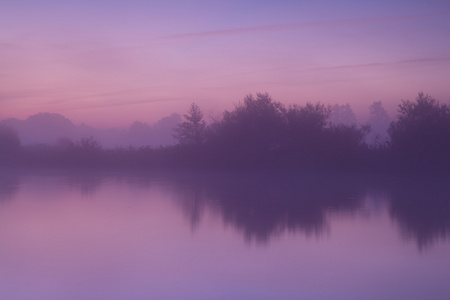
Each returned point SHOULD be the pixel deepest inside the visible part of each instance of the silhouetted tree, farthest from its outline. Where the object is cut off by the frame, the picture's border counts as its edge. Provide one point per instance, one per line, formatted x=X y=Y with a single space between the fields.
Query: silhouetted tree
x=421 y=135
x=192 y=130
x=89 y=144
x=344 y=145
x=253 y=130
x=306 y=123
x=305 y=133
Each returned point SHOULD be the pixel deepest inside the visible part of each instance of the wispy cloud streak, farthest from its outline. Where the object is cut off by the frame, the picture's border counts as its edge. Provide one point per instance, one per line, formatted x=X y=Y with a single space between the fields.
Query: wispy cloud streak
x=398 y=63
x=308 y=68
x=301 y=25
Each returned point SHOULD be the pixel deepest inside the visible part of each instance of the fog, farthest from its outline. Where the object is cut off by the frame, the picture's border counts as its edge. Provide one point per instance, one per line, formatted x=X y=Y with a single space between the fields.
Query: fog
x=53 y=128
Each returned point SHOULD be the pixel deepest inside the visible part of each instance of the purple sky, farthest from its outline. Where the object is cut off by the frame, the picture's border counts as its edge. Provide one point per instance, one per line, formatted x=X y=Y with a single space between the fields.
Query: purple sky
x=108 y=63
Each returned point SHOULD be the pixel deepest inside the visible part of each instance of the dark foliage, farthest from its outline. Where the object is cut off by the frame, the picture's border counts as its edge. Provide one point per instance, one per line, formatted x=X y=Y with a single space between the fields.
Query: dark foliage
x=263 y=204
x=9 y=140
x=421 y=206
x=191 y=132
x=260 y=133
x=306 y=132
x=420 y=138
x=249 y=134
x=9 y=144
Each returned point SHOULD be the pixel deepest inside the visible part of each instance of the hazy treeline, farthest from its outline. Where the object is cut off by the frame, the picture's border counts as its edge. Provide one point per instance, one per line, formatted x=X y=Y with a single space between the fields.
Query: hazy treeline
x=46 y=128
x=262 y=133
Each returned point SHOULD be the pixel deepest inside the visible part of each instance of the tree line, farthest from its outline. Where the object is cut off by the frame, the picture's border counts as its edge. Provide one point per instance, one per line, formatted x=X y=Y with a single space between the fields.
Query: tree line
x=262 y=133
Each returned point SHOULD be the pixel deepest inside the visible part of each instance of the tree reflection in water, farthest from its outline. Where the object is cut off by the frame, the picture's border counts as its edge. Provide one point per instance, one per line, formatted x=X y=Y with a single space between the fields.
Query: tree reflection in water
x=263 y=205
x=421 y=206
x=9 y=182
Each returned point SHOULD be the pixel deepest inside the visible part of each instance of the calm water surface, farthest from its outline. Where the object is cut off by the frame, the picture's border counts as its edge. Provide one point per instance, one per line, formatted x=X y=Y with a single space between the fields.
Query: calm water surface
x=85 y=235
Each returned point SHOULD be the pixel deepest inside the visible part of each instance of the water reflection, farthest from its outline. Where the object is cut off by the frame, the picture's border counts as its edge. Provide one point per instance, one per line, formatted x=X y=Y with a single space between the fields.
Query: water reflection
x=264 y=206
x=87 y=183
x=421 y=207
x=8 y=184
x=110 y=235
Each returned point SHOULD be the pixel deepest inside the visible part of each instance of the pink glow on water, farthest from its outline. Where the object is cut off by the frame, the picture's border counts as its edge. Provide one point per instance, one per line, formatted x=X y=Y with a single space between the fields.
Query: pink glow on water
x=118 y=239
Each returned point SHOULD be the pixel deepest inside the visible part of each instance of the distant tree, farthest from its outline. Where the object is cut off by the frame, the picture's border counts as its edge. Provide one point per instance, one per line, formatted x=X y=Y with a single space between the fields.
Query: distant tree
x=379 y=122
x=89 y=144
x=192 y=130
x=421 y=133
x=87 y=152
x=9 y=140
x=46 y=128
x=342 y=115
x=64 y=143
x=139 y=134
x=163 y=130
x=377 y=112
x=139 y=127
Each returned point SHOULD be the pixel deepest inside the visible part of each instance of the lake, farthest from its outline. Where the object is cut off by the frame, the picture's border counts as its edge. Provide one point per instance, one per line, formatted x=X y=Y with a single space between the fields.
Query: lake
x=222 y=235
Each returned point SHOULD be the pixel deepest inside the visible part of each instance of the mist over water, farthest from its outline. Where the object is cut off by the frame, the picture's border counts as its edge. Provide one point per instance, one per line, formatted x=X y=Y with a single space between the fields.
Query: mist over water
x=54 y=128
x=265 y=152
x=258 y=133
x=216 y=235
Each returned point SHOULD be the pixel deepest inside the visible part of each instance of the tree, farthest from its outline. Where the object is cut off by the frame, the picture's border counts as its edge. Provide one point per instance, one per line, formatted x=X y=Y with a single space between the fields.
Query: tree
x=306 y=123
x=9 y=140
x=342 y=115
x=304 y=133
x=255 y=127
x=421 y=133
x=89 y=144
x=192 y=130
x=64 y=143
x=379 y=122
